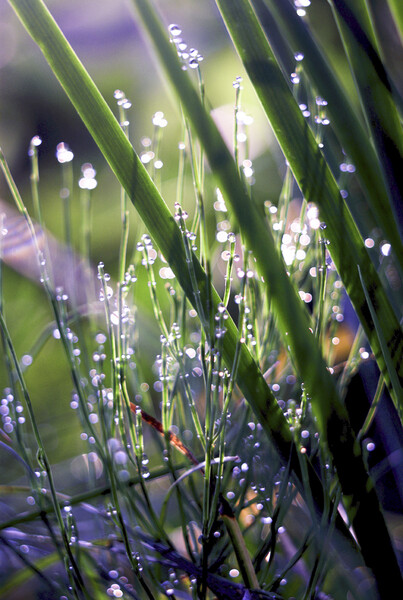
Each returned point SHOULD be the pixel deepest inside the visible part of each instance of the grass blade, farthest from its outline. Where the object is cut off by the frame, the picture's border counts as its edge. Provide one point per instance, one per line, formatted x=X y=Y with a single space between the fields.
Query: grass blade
x=238 y=542
x=384 y=346
x=310 y=170
x=316 y=183
x=374 y=89
x=346 y=122
x=396 y=8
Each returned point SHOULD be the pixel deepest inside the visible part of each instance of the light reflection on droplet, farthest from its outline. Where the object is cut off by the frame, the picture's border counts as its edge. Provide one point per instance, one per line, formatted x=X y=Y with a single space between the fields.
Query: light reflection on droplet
x=63 y=153
x=174 y=30
x=36 y=141
x=386 y=248
x=159 y=119
x=27 y=360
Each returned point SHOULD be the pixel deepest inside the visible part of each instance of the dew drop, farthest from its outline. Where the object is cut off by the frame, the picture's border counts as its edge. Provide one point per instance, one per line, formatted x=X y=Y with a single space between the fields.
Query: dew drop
x=63 y=153
x=36 y=141
x=266 y=520
x=174 y=30
x=27 y=360
x=386 y=248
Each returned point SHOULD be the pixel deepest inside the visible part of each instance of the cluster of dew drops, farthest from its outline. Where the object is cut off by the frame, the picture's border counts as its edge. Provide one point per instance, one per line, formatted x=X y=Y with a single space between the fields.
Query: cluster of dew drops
x=190 y=56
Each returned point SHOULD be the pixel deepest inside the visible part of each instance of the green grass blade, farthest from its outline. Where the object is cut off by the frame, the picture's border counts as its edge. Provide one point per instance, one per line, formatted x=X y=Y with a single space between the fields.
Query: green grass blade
x=292 y=317
x=345 y=121
x=390 y=44
x=23 y=575
x=396 y=8
x=316 y=183
x=378 y=327
x=238 y=543
x=374 y=89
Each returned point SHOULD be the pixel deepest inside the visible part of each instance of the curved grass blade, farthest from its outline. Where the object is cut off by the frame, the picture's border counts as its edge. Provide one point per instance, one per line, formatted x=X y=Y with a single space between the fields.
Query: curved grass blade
x=346 y=122
x=83 y=499
x=32 y=569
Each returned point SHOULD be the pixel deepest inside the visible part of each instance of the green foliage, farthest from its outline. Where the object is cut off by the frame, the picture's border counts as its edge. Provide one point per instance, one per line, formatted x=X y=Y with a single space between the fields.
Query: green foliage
x=247 y=389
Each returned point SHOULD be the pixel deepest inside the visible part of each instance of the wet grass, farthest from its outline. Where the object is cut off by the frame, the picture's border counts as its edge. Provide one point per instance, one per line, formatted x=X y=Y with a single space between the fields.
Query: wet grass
x=237 y=472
